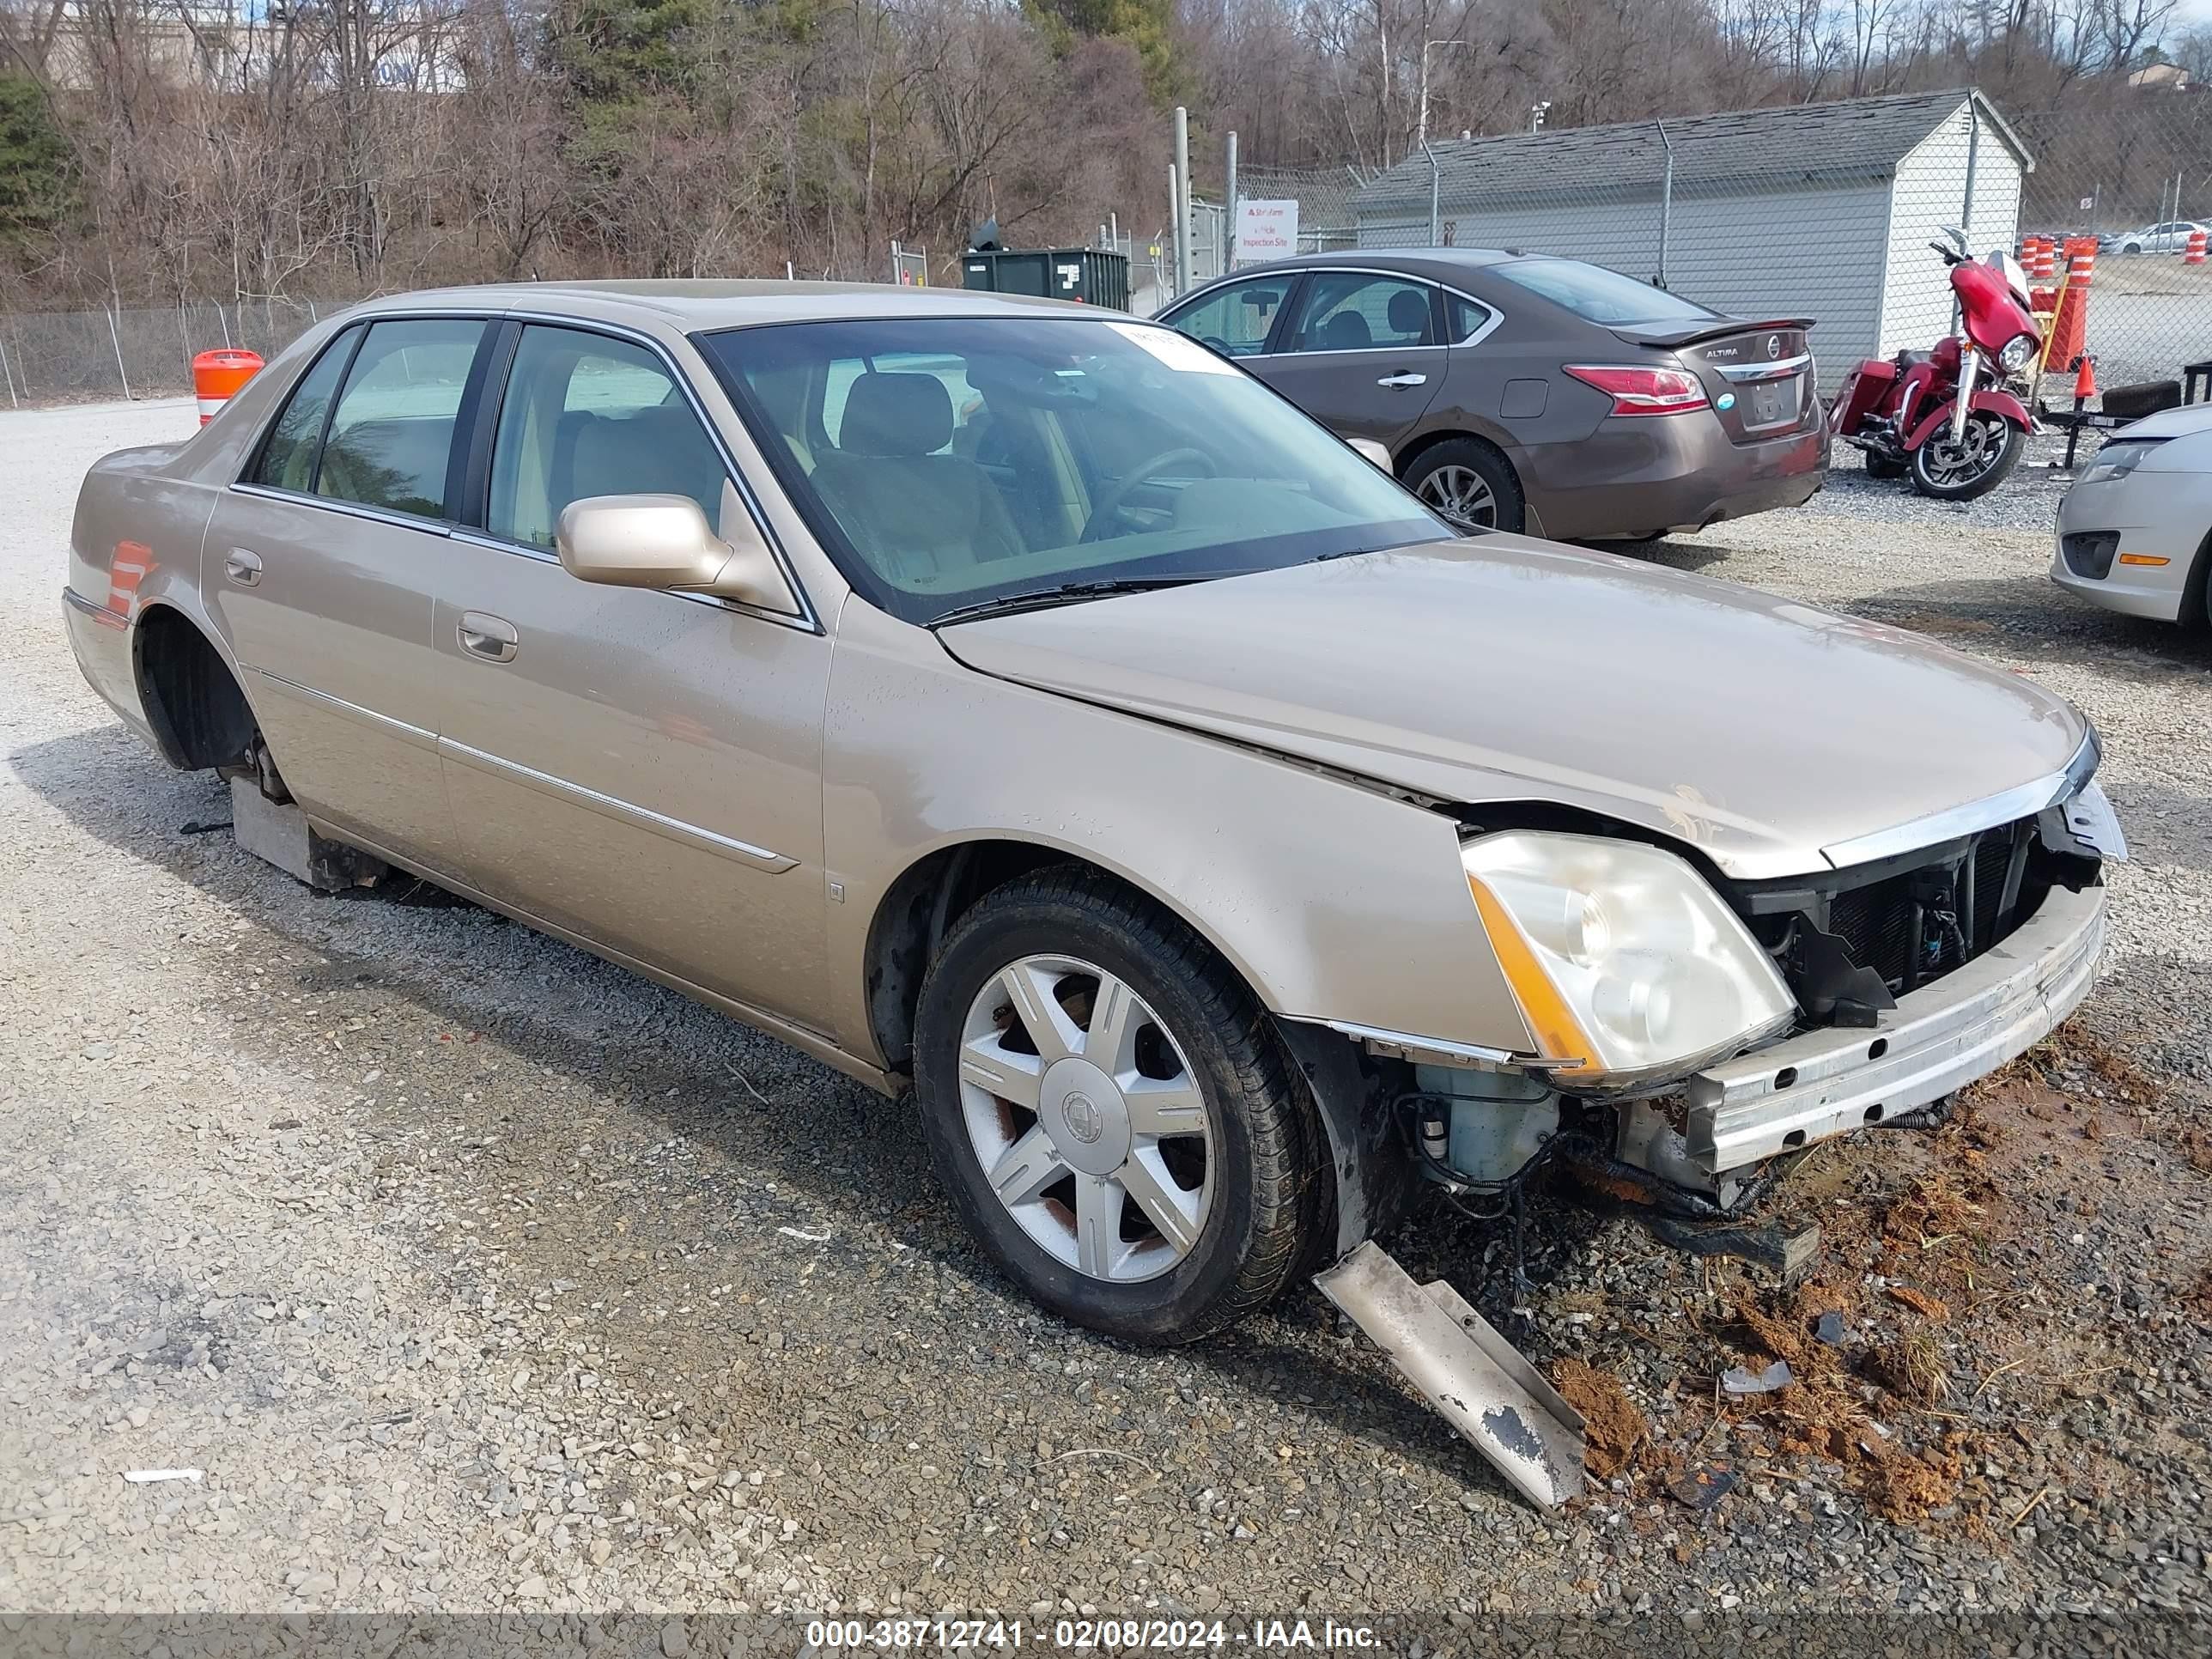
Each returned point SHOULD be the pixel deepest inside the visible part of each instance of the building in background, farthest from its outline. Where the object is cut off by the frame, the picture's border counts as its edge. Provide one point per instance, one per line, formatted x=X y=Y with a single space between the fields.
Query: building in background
x=1821 y=211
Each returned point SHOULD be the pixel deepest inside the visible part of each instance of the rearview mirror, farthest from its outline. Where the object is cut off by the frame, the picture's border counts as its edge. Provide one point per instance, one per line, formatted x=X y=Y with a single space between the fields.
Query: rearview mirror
x=1371 y=451
x=665 y=542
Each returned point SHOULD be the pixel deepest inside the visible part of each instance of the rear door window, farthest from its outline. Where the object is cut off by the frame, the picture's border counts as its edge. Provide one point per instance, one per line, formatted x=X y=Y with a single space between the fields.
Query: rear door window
x=287 y=458
x=1235 y=321
x=1355 y=311
x=391 y=434
x=587 y=415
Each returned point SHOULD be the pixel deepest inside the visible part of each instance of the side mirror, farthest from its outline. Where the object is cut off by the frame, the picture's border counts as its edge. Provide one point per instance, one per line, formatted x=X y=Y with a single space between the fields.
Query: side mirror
x=1371 y=451
x=665 y=542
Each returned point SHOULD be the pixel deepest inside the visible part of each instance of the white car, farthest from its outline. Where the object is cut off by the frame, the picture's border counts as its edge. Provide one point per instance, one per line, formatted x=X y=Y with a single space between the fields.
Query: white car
x=2171 y=237
x=2133 y=533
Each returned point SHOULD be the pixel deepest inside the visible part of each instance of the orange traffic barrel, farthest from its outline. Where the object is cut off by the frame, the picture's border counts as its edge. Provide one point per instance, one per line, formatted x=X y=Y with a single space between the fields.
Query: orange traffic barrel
x=217 y=375
x=2195 y=256
x=2070 y=328
x=2046 y=259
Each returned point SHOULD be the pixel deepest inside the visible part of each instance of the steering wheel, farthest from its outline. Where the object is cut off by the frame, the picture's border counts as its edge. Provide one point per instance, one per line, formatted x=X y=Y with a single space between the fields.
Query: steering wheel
x=1216 y=343
x=1094 y=527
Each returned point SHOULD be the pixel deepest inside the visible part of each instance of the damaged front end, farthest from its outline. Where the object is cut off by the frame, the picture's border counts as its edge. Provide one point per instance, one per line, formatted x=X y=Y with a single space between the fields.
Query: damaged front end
x=1905 y=976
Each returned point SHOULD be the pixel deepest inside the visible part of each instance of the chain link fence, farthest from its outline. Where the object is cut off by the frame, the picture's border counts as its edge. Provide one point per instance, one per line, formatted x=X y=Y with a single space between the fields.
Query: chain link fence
x=1826 y=211
x=82 y=356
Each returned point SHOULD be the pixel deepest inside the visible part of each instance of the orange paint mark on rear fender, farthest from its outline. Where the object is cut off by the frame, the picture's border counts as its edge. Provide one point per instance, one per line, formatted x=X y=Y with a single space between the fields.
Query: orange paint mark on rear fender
x=132 y=563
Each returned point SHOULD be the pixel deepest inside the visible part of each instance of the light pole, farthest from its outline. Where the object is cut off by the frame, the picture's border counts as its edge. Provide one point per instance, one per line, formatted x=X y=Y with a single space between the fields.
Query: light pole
x=1421 y=123
x=1536 y=114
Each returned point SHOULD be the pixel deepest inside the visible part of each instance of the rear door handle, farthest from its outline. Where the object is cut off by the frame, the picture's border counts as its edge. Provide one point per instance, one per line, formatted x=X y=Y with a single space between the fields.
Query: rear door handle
x=243 y=566
x=1403 y=379
x=482 y=635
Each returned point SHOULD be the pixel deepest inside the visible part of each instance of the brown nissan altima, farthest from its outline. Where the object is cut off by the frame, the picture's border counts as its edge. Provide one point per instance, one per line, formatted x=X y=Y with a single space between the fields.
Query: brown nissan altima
x=1524 y=392
x=1020 y=705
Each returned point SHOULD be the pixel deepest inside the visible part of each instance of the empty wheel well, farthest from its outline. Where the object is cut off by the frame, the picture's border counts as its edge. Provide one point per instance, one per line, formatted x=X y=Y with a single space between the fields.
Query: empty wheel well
x=195 y=707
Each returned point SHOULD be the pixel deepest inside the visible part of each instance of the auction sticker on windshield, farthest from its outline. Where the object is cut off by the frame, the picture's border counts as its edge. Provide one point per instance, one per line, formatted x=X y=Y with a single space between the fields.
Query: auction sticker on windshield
x=1178 y=351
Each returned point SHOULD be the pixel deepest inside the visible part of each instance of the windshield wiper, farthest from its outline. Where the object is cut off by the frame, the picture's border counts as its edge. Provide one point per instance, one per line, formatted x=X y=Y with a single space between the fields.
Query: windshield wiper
x=1040 y=598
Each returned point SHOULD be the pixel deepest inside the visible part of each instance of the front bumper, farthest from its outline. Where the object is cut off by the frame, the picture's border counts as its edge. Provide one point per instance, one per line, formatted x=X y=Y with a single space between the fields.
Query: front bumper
x=2122 y=506
x=1935 y=1039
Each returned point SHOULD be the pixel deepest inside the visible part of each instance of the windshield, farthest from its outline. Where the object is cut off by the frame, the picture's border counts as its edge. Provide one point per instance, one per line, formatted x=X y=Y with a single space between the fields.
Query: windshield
x=1601 y=295
x=949 y=461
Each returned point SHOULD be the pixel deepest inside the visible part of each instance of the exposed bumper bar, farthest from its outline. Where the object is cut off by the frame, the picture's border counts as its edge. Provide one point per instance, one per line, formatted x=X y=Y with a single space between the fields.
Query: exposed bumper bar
x=1935 y=1039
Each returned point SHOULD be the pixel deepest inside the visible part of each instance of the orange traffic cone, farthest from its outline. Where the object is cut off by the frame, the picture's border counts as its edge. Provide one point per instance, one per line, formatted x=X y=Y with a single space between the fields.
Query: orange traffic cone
x=2085 y=378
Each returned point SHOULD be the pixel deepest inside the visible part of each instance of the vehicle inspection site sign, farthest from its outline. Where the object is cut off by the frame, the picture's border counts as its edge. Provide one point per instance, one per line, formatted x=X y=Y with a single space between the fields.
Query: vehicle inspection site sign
x=1265 y=230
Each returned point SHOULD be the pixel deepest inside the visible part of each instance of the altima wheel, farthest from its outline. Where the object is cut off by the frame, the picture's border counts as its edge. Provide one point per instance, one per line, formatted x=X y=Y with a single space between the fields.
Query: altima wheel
x=1110 y=1111
x=1470 y=485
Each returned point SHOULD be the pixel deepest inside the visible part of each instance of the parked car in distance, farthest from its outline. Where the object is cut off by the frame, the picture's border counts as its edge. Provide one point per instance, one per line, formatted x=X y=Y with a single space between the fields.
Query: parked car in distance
x=2170 y=237
x=1018 y=702
x=1525 y=391
x=2135 y=534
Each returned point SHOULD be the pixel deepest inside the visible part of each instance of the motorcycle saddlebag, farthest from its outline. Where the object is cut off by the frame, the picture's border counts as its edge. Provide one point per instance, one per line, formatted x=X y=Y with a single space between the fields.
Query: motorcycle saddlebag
x=1870 y=385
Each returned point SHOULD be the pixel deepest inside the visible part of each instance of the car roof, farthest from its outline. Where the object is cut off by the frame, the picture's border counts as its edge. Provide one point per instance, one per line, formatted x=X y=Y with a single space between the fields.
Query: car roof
x=1438 y=264
x=706 y=305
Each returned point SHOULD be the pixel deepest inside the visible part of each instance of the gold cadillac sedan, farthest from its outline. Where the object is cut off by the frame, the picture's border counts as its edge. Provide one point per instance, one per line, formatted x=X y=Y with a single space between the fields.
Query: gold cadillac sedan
x=1018 y=703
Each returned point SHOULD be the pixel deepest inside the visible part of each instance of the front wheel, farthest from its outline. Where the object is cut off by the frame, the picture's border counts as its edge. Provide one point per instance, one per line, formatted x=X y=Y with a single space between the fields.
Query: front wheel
x=1971 y=467
x=1110 y=1111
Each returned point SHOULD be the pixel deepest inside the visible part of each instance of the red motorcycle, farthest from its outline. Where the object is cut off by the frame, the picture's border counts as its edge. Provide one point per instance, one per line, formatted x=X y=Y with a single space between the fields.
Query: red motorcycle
x=1949 y=416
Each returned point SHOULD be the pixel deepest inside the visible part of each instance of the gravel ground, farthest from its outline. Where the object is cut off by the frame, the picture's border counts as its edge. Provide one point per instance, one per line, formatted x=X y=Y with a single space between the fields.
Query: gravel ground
x=478 y=1275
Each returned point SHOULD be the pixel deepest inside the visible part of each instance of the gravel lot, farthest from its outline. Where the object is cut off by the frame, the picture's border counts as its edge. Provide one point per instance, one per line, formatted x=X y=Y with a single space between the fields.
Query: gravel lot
x=476 y=1274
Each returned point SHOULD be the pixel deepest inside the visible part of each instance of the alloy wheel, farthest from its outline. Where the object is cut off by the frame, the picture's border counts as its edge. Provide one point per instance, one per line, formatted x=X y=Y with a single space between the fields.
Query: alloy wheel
x=1462 y=495
x=1950 y=465
x=1086 y=1118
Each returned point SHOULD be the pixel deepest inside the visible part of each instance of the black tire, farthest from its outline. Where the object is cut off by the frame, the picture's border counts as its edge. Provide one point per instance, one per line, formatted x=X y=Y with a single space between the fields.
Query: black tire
x=1974 y=488
x=2196 y=591
x=1262 y=1157
x=1509 y=510
x=1881 y=466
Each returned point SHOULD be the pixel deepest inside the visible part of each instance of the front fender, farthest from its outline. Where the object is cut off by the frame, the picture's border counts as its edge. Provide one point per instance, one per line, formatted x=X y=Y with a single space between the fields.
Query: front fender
x=1333 y=900
x=1992 y=401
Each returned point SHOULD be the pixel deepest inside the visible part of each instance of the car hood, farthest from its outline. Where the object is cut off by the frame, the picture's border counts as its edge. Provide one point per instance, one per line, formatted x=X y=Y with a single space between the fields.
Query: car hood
x=2185 y=422
x=1496 y=669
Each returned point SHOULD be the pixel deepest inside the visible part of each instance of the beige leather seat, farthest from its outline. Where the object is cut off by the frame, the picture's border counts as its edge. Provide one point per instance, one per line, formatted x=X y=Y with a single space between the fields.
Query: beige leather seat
x=911 y=511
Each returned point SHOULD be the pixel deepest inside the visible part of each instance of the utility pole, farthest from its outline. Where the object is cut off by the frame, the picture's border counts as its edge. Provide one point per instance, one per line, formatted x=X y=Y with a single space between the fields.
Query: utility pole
x=1182 y=226
x=1229 y=195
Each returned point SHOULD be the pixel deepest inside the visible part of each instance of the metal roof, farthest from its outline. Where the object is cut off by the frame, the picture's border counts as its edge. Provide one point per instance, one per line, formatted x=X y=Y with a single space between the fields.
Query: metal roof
x=1856 y=138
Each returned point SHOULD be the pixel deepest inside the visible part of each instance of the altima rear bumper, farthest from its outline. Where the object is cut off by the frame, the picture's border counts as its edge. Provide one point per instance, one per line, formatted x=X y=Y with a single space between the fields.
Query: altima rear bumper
x=1644 y=476
x=1935 y=1039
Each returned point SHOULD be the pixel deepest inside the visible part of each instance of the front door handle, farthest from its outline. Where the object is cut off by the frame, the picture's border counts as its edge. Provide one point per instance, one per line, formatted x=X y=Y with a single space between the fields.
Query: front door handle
x=1407 y=379
x=482 y=635
x=243 y=566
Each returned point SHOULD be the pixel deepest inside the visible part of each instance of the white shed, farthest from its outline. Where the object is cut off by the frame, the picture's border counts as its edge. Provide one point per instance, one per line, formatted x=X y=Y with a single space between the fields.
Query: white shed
x=1821 y=211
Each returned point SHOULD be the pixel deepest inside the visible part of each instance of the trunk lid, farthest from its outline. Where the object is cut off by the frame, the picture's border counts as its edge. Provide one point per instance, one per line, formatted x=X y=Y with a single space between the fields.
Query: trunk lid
x=1758 y=376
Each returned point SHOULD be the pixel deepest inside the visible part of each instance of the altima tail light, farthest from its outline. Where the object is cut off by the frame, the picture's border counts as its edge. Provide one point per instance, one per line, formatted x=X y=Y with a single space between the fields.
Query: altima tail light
x=1642 y=390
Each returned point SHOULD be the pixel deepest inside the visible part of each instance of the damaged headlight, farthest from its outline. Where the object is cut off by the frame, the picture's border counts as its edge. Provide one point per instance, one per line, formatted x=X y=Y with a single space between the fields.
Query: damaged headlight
x=1623 y=959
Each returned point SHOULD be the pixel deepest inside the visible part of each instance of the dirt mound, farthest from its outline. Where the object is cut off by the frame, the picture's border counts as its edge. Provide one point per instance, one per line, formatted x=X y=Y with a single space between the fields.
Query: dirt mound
x=1613 y=1425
